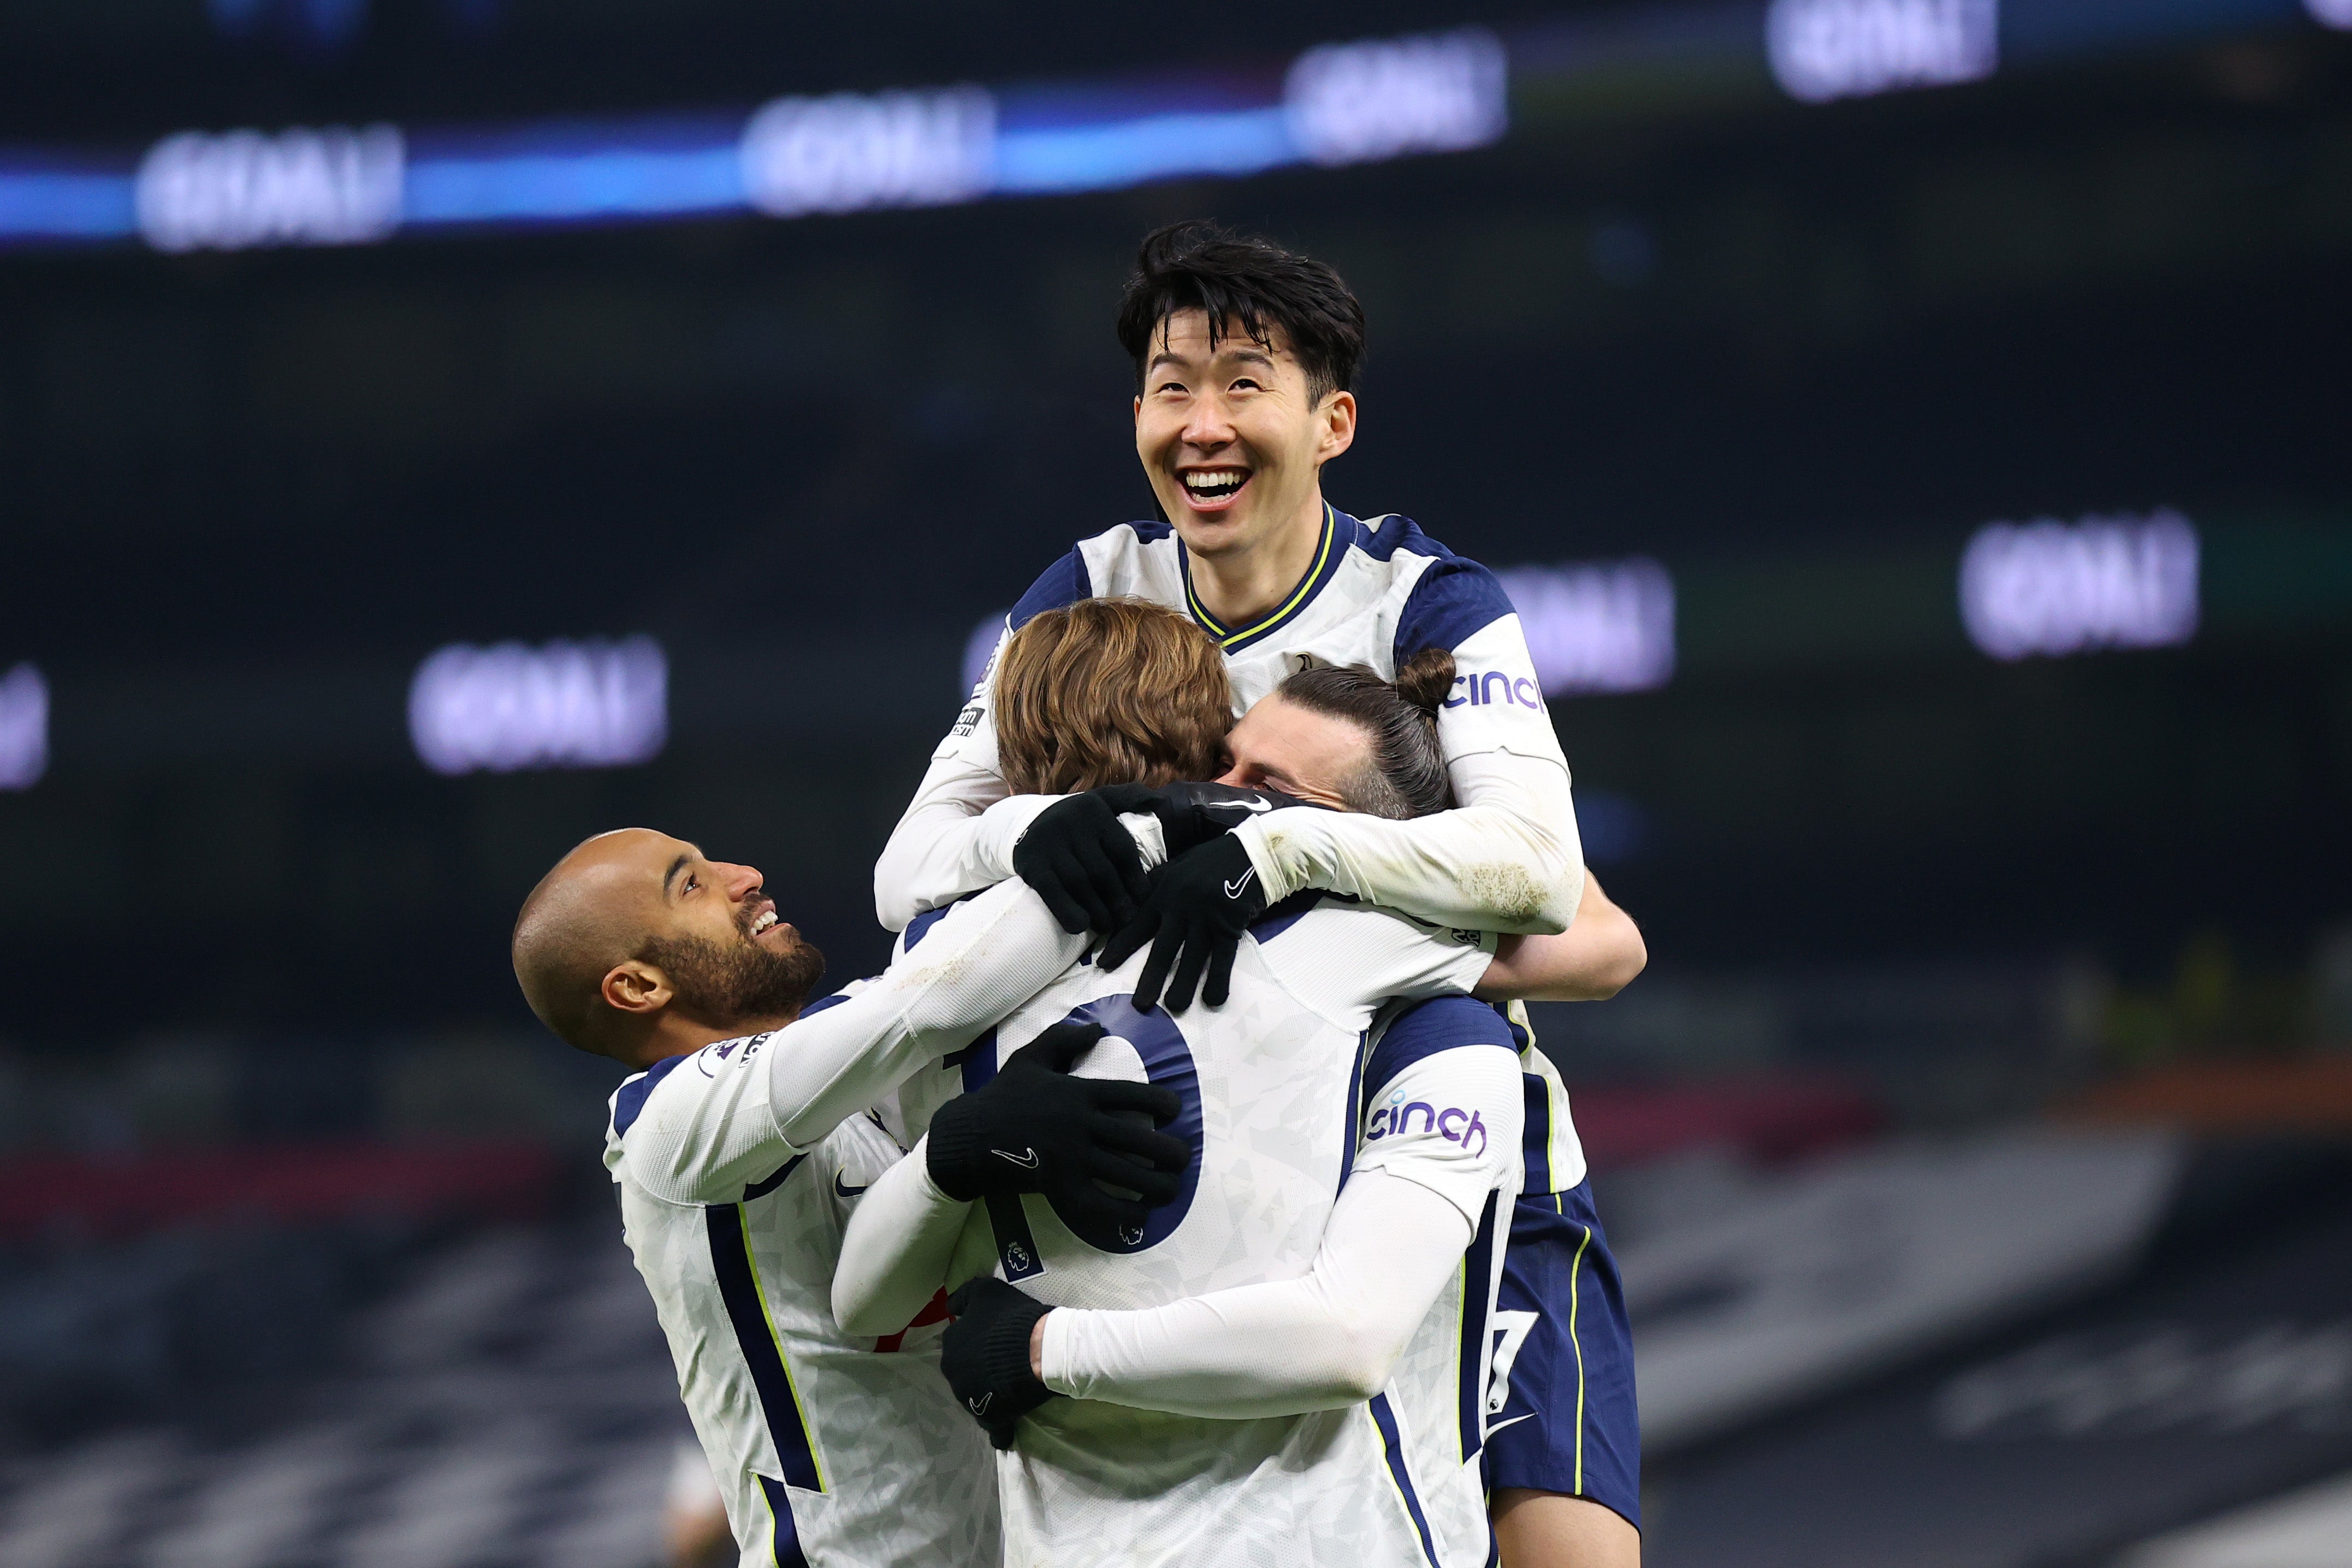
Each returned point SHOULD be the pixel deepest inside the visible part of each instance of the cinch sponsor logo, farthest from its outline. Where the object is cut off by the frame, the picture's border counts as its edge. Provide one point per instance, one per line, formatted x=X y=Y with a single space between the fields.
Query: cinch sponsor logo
x=1452 y=1123
x=1496 y=687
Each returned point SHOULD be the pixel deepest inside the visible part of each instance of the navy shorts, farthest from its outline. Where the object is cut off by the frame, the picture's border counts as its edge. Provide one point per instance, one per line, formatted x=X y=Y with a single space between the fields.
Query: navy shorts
x=1567 y=1423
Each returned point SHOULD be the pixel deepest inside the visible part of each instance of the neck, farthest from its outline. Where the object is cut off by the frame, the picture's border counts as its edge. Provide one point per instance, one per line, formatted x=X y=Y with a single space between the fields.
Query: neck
x=671 y=1036
x=1241 y=585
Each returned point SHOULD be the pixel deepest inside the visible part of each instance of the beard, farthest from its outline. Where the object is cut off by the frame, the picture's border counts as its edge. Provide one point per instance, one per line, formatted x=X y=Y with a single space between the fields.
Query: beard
x=731 y=983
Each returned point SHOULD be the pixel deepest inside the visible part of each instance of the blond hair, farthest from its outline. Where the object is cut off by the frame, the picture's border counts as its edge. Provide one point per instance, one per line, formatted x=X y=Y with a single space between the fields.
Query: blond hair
x=1110 y=691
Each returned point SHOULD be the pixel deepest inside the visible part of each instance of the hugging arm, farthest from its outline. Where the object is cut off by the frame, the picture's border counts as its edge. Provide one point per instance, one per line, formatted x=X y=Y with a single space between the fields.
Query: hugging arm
x=1590 y=961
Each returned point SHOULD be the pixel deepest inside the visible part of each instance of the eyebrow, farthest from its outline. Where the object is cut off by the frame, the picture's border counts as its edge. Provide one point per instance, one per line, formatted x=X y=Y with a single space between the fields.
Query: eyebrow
x=676 y=866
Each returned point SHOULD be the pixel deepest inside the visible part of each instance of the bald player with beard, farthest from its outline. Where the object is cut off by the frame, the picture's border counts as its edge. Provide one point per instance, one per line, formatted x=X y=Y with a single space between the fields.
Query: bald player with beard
x=752 y=1123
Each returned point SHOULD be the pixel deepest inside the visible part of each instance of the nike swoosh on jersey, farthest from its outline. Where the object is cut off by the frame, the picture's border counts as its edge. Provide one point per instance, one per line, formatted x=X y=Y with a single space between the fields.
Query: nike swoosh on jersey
x=1254 y=805
x=1512 y=1422
x=842 y=1191
x=1026 y=1159
x=1234 y=888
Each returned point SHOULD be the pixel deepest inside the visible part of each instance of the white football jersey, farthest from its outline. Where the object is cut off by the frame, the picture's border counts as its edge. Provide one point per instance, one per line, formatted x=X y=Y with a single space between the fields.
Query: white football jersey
x=1272 y=1087
x=1380 y=590
x=831 y=1451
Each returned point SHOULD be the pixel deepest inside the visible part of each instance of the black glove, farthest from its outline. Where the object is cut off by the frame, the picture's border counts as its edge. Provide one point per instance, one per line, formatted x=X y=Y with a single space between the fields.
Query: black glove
x=1199 y=906
x=1082 y=862
x=1191 y=814
x=1084 y=865
x=986 y=1354
x=1036 y=1128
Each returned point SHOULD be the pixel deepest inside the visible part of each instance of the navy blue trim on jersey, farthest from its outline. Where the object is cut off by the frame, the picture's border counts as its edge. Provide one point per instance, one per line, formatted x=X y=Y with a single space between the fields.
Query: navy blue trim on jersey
x=1339 y=533
x=1455 y=599
x=1441 y=1023
x=1477 y=1278
x=1280 y=917
x=738 y=1288
x=1063 y=583
x=1355 y=1110
x=787 y=1538
x=975 y=1062
x=761 y=1189
x=1393 y=1448
x=629 y=1103
x=920 y=926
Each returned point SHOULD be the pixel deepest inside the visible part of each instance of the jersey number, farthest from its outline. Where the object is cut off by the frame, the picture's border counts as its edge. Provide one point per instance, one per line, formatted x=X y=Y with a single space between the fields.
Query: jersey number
x=1167 y=1060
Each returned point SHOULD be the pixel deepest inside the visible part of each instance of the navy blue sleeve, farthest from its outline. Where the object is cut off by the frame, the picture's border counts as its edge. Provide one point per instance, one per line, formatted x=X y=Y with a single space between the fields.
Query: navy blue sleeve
x=1441 y=1023
x=1063 y=583
x=1455 y=598
x=630 y=1103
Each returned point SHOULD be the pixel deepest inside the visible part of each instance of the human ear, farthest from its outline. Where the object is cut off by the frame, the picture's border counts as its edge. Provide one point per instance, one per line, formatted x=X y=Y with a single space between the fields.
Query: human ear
x=637 y=987
x=1338 y=425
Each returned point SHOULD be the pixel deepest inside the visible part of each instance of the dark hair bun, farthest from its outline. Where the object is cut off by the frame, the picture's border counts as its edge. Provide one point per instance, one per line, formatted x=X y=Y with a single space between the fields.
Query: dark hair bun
x=1426 y=679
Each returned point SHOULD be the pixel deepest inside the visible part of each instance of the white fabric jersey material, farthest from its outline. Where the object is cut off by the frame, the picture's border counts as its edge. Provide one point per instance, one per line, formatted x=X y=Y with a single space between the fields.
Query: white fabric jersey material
x=827 y=1449
x=1271 y=1085
x=737 y=1173
x=1507 y=860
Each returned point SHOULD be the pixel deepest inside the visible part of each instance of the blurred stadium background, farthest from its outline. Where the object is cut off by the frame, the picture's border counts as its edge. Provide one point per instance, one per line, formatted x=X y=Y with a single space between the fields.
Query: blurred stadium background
x=435 y=430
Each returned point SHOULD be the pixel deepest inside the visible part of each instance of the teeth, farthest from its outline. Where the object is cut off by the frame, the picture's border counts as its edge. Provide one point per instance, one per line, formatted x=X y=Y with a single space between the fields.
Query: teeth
x=767 y=918
x=1223 y=481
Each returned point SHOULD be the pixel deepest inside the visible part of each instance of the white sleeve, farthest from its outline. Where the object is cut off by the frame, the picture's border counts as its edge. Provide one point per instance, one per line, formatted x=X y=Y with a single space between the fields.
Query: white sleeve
x=1343 y=962
x=1507 y=858
x=724 y=1115
x=1331 y=1337
x=895 y=1252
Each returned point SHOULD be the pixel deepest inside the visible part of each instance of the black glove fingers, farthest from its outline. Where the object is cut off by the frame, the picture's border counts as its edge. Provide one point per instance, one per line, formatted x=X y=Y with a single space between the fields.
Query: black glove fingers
x=1163 y=1151
x=1115 y=875
x=1095 y=1208
x=1128 y=939
x=1116 y=1094
x=1223 y=946
x=1152 y=1187
x=1076 y=868
x=1051 y=881
x=1189 y=965
x=1058 y=1048
x=1164 y=946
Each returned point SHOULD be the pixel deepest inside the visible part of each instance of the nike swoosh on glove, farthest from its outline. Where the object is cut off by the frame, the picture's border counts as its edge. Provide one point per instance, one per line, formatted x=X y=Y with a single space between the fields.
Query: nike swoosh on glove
x=1034 y=1127
x=1199 y=906
x=985 y=1355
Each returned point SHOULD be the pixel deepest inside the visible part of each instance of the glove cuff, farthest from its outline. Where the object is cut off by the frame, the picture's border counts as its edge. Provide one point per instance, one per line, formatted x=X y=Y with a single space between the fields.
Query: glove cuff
x=1005 y=1355
x=953 y=1150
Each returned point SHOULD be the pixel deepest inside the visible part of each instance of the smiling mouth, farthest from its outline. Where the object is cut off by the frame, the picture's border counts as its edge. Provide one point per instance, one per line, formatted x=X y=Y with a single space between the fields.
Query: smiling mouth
x=1208 y=487
x=764 y=922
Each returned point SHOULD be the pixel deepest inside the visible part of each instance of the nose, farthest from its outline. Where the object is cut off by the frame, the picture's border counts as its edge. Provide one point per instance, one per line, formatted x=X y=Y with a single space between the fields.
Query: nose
x=741 y=881
x=1237 y=776
x=1207 y=428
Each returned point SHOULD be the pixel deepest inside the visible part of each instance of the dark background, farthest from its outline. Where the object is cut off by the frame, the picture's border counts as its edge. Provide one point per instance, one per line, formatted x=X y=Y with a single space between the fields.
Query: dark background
x=1797 y=354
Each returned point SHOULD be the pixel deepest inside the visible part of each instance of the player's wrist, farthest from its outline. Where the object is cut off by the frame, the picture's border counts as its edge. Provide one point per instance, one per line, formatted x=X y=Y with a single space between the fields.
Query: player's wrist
x=1276 y=875
x=1037 y=1345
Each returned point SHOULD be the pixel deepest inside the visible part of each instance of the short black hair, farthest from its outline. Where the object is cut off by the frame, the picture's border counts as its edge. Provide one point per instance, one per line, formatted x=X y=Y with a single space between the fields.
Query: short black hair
x=1198 y=265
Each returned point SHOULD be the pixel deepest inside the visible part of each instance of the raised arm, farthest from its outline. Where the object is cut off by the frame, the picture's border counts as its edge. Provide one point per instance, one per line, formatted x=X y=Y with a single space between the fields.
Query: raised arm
x=713 y=1121
x=1590 y=961
x=1508 y=857
x=959 y=832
